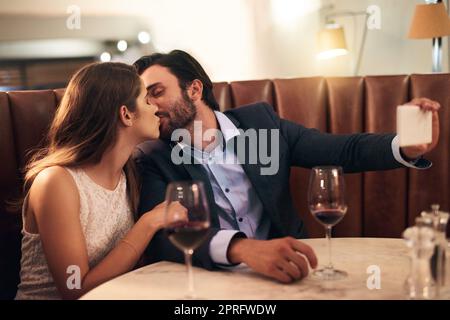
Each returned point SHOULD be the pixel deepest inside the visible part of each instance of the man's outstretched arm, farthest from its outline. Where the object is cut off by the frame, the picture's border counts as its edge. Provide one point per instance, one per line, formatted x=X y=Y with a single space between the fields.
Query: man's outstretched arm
x=355 y=152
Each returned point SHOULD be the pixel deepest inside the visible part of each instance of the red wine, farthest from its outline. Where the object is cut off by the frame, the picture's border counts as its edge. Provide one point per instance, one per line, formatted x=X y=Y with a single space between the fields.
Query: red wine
x=329 y=217
x=187 y=235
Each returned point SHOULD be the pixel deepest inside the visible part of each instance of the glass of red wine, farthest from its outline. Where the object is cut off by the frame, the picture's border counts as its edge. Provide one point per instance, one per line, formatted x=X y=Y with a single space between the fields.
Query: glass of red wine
x=326 y=201
x=187 y=221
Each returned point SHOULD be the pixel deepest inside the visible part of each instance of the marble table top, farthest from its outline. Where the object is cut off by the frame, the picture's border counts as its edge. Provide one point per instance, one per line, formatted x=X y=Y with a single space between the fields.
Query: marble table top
x=376 y=267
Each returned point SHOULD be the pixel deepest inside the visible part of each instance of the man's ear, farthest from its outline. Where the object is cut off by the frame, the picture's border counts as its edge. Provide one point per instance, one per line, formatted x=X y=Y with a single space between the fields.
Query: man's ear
x=195 y=90
x=125 y=116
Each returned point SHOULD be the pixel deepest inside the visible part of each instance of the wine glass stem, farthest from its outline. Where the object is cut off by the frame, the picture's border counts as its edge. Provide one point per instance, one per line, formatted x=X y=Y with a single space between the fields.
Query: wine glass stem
x=328 y=235
x=188 y=259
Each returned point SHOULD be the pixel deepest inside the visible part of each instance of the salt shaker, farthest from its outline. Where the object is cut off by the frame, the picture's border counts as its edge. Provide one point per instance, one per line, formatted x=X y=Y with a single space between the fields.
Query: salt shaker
x=420 y=283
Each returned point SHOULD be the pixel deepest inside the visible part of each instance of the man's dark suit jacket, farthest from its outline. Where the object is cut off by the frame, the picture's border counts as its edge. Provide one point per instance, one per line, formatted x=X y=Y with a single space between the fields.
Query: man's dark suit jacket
x=298 y=146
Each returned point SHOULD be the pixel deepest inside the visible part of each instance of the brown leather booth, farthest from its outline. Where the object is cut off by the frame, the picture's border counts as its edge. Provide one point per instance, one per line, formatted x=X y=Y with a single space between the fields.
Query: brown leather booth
x=381 y=204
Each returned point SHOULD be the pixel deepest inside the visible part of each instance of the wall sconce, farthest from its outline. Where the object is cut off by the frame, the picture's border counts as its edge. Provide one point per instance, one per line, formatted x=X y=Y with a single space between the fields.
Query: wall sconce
x=332 y=42
x=331 y=39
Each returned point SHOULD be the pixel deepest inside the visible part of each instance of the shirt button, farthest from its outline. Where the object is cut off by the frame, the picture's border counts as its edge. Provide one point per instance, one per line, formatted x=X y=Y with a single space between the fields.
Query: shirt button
x=240 y=219
x=227 y=190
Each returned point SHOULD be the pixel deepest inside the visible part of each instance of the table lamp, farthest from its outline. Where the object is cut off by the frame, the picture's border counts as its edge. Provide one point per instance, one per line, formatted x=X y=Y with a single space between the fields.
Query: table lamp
x=430 y=21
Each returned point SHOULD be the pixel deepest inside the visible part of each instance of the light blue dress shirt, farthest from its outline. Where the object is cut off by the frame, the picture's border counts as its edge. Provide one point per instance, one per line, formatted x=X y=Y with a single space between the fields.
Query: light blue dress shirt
x=234 y=193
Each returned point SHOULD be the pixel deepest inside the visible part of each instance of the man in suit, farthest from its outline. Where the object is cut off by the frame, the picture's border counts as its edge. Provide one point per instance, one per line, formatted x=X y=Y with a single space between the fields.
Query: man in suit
x=253 y=219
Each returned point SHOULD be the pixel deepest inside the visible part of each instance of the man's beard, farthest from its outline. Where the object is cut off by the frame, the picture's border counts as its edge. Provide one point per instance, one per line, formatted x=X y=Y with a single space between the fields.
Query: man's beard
x=181 y=115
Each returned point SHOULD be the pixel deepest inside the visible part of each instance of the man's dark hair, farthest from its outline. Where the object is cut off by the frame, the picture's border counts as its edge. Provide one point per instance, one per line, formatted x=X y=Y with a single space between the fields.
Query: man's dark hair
x=183 y=66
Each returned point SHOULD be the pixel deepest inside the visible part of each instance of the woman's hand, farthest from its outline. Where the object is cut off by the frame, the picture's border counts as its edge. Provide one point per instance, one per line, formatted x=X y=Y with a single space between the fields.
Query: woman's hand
x=156 y=218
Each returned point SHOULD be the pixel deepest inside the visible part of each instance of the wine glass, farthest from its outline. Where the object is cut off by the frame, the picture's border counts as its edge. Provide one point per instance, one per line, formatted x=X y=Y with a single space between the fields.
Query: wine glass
x=187 y=221
x=326 y=201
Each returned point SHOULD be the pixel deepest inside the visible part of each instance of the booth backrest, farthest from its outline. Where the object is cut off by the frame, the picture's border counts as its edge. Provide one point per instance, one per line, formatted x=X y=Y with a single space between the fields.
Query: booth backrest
x=381 y=204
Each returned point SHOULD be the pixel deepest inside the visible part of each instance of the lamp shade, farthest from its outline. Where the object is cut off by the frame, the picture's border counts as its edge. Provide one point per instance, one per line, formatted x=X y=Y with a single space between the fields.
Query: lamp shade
x=429 y=21
x=331 y=41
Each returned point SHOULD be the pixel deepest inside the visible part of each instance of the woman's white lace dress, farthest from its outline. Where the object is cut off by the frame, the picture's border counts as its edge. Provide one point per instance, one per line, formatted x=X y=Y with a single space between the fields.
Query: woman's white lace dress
x=105 y=217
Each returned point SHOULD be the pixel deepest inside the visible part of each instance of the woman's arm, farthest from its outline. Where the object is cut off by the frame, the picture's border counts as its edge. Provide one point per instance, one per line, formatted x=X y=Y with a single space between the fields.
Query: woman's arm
x=54 y=201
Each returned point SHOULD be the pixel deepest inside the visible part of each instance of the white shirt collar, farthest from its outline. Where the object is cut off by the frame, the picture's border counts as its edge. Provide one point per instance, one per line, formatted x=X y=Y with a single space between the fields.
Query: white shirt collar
x=227 y=127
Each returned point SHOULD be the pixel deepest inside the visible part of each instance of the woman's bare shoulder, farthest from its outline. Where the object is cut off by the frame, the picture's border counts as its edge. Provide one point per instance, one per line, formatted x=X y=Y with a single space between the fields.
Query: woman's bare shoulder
x=54 y=176
x=53 y=184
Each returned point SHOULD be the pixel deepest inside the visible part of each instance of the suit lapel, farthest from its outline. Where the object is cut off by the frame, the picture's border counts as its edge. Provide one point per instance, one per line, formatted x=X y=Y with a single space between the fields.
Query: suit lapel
x=253 y=171
x=259 y=182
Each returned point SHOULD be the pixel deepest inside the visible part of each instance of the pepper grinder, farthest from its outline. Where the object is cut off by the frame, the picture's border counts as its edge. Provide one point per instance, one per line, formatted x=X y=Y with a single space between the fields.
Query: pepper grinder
x=420 y=283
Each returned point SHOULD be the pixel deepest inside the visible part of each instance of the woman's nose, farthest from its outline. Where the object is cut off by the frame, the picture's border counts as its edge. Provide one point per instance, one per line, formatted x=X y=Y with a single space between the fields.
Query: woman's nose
x=155 y=107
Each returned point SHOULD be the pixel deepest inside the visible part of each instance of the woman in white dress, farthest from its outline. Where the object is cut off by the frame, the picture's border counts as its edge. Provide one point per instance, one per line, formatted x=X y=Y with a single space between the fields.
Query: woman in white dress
x=82 y=190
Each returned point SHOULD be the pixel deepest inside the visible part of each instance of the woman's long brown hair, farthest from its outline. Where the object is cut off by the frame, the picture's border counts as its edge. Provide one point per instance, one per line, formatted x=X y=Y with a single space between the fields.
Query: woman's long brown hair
x=86 y=121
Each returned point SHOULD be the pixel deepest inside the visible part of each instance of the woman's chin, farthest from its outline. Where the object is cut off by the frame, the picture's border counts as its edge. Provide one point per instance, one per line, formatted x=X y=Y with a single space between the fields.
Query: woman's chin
x=155 y=136
x=151 y=136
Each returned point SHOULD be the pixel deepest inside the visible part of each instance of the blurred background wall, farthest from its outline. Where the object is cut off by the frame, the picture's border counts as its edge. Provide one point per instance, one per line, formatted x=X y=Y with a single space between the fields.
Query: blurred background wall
x=43 y=42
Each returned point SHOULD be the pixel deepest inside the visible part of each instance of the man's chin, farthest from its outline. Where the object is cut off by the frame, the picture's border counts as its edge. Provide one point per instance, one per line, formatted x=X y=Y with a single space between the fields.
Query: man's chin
x=166 y=129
